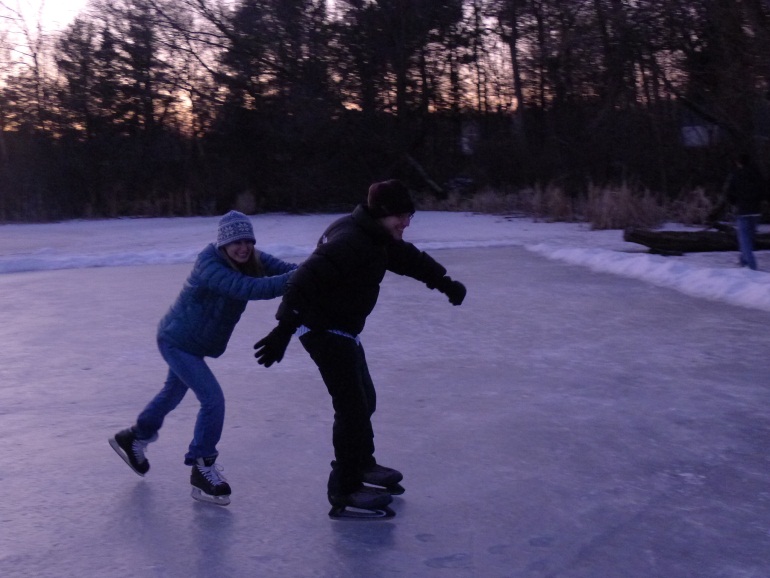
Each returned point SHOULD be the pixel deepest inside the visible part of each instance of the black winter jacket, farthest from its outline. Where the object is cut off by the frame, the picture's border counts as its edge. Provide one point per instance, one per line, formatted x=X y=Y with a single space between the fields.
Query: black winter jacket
x=746 y=189
x=338 y=285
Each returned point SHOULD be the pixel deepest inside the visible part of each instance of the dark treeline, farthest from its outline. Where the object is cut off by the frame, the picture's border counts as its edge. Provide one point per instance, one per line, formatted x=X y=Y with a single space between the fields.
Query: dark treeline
x=191 y=107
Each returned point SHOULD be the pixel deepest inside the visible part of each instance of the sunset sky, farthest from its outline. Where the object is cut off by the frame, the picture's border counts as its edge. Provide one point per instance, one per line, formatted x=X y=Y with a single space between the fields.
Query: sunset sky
x=55 y=14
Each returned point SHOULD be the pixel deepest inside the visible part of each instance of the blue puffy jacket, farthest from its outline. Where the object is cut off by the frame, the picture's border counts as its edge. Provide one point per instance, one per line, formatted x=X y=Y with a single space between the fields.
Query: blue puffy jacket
x=203 y=317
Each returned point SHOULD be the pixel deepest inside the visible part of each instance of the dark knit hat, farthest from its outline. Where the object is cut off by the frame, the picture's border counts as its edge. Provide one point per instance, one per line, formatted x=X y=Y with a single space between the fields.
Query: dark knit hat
x=234 y=226
x=389 y=198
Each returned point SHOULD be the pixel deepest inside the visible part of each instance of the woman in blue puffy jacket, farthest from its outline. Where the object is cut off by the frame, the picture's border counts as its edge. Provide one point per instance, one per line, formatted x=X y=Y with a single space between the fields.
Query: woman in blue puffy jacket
x=226 y=276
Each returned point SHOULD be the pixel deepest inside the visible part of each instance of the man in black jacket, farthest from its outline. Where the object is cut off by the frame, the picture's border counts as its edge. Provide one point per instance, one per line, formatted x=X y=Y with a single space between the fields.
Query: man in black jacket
x=327 y=302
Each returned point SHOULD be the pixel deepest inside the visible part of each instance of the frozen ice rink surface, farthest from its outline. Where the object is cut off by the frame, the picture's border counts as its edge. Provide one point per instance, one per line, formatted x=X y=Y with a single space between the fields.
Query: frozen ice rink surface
x=560 y=423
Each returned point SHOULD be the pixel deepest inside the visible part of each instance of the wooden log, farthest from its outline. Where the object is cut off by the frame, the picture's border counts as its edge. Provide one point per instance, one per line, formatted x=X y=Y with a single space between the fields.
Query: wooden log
x=680 y=242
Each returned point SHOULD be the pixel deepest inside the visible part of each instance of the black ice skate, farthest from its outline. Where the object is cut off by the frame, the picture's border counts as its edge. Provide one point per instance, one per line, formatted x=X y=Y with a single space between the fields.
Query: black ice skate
x=208 y=483
x=383 y=477
x=363 y=504
x=131 y=449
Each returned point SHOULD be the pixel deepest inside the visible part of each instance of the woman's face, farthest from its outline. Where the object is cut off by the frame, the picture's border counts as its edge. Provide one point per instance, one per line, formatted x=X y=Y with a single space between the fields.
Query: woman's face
x=240 y=251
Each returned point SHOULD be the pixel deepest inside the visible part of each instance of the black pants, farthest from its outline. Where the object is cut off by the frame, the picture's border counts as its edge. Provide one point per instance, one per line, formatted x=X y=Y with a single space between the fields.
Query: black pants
x=342 y=364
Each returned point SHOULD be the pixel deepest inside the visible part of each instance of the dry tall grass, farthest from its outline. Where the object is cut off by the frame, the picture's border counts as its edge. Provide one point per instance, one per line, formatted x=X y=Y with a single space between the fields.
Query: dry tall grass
x=621 y=208
x=618 y=207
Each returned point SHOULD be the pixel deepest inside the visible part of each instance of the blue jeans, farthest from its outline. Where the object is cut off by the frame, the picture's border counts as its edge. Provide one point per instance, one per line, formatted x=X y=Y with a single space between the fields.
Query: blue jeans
x=187 y=371
x=747 y=229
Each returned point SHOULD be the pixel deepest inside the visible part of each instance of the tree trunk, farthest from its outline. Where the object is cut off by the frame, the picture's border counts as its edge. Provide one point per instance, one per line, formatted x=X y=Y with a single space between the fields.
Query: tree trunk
x=679 y=242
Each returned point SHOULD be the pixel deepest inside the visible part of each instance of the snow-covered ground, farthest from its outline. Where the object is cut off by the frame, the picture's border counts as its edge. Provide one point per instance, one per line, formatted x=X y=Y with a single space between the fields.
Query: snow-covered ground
x=562 y=423
x=106 y=243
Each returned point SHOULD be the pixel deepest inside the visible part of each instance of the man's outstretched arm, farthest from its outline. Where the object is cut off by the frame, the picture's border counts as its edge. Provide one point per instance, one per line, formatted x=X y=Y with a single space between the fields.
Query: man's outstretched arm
x=271 y=348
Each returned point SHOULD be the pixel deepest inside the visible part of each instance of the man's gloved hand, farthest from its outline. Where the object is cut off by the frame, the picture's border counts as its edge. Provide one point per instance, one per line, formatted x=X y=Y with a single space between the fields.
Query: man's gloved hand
x=270 y=349
x=453 y=289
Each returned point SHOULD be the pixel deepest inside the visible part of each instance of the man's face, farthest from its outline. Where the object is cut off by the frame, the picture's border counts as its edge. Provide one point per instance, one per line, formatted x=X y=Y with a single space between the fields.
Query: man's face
x=395 y=224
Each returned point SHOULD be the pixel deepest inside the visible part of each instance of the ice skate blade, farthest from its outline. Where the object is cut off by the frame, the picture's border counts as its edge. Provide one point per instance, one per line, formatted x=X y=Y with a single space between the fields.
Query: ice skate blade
x=396 y=489
x=119 y=450
x=202 y=496
x=393 y=489
x=348 y=513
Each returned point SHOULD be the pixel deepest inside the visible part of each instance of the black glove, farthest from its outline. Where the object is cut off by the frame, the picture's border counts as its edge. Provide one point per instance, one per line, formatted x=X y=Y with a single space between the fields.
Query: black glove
x=453 y=289
x=270 y=349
